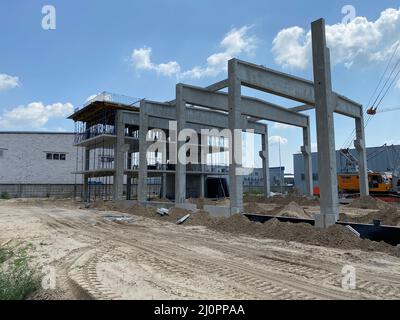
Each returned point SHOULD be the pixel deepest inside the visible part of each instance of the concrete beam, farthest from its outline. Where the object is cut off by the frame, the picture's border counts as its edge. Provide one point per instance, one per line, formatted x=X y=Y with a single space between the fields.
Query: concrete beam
x=218 y=86
x=301 y=108
x=290 y=87
x=252 y=107
x=161 y=113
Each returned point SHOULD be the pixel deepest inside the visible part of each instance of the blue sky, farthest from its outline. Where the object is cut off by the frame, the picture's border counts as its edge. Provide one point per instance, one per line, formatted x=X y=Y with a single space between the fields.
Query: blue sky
x=45 y=73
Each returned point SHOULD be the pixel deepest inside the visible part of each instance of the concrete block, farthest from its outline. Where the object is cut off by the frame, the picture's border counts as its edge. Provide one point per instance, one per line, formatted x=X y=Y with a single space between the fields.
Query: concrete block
x=218 y=211
x=323 y=221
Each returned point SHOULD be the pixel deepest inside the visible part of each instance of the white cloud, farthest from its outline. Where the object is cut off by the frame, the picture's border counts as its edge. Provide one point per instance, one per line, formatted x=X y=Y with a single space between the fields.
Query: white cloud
x=141 y=61
x=274 y=140
x=34 y=115
x=357 y=42
x=8 y=82
x=398 y=84
x=235 y=43
x=282 y=126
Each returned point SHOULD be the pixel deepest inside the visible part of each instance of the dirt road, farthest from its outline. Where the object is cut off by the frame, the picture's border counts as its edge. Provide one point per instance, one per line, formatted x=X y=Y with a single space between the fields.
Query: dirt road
x=95 y=257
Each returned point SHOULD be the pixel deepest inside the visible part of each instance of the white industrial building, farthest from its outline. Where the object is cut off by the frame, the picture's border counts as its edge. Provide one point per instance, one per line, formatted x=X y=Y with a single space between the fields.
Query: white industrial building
x=37 y=163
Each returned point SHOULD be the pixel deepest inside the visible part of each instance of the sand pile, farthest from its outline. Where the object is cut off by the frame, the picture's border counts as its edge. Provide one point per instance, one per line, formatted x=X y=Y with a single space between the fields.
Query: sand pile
x=389 y=217
x=335 y=236
x=236 y=224
x=201 y=202
x=200 y=218
x=283 y=200
x=293 y=210
x=368 y=202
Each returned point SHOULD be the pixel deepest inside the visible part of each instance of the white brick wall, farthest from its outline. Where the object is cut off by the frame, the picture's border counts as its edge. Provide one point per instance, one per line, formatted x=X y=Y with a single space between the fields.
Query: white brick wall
x=24 y=158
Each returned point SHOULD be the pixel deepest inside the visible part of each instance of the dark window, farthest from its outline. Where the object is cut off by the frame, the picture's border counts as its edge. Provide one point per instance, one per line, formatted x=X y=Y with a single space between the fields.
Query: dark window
x=315 y=176
x=56 y=156
x=303 y=177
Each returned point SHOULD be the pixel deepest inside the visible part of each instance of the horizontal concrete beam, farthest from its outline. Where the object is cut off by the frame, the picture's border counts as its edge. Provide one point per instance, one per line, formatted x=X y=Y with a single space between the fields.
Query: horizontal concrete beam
x=302 y=108
x=252 y=107
x=161 y=113
x=291 y=87
x=218 y=86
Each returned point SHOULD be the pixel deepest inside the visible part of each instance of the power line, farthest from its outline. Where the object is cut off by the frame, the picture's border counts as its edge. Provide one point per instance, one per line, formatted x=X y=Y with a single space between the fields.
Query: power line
x=348 y=141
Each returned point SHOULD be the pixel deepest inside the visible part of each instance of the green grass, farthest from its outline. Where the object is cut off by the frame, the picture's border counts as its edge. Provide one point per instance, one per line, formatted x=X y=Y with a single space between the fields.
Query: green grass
x=5 y=196
x=17 y=278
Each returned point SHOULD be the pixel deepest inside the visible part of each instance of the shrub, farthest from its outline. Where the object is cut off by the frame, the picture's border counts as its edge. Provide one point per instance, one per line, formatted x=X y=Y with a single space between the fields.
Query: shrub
x=5 y=195
x=17 y=278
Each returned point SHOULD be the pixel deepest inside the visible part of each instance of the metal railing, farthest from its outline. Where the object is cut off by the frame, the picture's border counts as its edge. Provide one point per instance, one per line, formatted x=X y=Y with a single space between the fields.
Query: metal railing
x=114 y=98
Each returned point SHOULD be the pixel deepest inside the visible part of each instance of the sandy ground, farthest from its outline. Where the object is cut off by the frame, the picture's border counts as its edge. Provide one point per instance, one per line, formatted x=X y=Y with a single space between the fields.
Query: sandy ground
x=97 y=258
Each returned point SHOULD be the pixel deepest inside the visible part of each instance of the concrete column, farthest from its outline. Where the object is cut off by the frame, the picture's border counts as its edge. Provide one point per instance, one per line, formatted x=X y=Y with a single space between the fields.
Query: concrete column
x=324 y=108
x=164 y=186
x=359 y=144
x=235 y=122
x=86 y=177
x=180 y=172
x=143 y=131
x=129 y=177
x=85 y=196
x=264 y=154
x=202 y=185
x=119 y=157
x=307 y=157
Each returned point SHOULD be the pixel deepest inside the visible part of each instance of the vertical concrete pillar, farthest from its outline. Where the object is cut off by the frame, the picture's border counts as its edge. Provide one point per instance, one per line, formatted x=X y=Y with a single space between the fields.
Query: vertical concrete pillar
x=143 y=131
x=129 y=177
x=164 y=186
x=359 y=144
x=264 y=154
x=180 y=173
x=307 y=157
x=324 y=108
x=235 y=122
x=202 y=185
x=119 y=157
x=86 y=177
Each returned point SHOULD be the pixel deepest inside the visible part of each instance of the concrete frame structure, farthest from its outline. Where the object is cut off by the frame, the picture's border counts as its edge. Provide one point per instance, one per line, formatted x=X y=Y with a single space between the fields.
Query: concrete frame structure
x=237 y=112
x=252 y=110
x=326 y=102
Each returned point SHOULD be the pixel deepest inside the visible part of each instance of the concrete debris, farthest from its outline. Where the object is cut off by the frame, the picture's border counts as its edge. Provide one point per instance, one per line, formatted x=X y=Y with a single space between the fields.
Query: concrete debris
x=354 y=231
x=162 y=211
x=183 y=219
x=125 y=219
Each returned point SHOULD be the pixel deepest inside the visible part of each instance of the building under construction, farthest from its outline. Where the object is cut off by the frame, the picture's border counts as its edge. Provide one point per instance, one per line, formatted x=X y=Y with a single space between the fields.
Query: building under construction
x=115 y=134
